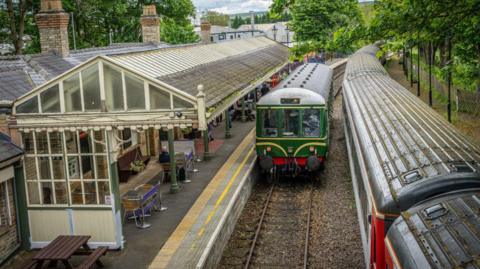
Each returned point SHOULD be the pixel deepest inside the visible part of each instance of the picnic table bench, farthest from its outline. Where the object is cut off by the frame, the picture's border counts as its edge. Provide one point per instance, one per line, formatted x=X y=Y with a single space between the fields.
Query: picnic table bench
x=62 y=248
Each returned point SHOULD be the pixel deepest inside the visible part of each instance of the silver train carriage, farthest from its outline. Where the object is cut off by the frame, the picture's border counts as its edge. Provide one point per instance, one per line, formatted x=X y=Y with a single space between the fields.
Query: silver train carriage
x=443 y=232
x=401 y=151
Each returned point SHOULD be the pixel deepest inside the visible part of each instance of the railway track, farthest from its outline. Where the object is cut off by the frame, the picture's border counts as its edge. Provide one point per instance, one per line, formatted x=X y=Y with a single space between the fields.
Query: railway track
x=282 y=234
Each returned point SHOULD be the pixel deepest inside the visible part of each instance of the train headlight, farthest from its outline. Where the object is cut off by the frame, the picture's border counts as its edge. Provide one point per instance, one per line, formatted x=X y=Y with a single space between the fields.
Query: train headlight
x=269 y=149
x=312 y=148
x=290 y=149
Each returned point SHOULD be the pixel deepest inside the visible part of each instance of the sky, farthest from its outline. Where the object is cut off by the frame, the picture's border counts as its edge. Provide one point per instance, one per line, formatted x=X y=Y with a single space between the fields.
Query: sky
x=232 y=6
x=235 y=6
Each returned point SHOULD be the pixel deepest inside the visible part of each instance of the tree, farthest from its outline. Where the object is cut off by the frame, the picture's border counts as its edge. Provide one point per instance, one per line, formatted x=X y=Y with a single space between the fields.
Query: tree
x=216 y=18
x=315 y=21
x=98 y=20
x=438 y=23
x=16 y=22
x=279 y=7
x=174 y=33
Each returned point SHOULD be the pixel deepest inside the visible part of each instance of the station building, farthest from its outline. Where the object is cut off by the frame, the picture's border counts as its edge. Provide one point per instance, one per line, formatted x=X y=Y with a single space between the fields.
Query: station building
x=76 y=113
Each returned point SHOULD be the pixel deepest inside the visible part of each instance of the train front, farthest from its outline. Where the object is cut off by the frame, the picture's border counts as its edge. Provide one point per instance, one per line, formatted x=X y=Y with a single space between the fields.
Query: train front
x=292 y=132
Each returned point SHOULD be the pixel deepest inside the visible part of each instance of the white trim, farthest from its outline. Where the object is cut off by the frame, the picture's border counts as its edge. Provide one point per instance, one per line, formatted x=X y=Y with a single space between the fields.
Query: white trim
x=124 y=91
x=146 y=90
x=102 y=82
x=80 y=78
x=61 y=96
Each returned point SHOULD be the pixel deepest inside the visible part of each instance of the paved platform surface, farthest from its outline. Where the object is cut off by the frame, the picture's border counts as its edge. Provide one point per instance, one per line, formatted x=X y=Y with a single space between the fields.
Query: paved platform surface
x=143 y=246
x=188 y=243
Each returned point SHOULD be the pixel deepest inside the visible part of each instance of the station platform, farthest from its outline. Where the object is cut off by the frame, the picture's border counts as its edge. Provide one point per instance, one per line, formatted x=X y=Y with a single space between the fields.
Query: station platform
x=212 y=217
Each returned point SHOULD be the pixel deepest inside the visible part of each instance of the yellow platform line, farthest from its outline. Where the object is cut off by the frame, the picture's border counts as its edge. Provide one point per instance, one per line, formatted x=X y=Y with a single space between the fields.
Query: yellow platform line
x=174 y=241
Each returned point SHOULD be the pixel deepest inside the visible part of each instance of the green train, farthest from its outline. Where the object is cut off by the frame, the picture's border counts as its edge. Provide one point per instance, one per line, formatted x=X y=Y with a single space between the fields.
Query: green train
x=293 y=122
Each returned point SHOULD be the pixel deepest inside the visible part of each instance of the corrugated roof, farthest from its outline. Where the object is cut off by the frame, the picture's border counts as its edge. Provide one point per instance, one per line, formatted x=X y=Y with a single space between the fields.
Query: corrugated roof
x=223 y=77
x=20 y=74
x=168 y=61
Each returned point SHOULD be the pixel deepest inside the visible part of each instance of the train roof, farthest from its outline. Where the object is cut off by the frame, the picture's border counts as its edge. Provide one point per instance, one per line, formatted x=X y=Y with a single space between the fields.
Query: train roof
x=312 y=76
x=409 y=151
x=443 y=232
x=306 y=97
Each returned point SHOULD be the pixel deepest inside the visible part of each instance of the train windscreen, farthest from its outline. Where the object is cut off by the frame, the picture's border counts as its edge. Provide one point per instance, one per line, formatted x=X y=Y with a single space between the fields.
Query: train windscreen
x=311 y=123
x=292 y=123
x=269 y=126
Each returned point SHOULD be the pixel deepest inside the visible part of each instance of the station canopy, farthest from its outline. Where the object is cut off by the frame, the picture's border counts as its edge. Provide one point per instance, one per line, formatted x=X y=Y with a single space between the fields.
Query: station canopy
x=155 y=88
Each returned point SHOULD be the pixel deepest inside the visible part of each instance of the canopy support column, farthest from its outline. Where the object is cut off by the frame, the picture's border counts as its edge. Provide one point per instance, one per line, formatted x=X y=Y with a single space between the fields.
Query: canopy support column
x=244 y=117
x=228 y=124
x=173 y=166
x=206 y=140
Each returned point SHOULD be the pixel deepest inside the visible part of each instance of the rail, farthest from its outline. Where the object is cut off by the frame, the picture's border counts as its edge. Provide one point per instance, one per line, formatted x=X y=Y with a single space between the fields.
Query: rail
x=262 y=221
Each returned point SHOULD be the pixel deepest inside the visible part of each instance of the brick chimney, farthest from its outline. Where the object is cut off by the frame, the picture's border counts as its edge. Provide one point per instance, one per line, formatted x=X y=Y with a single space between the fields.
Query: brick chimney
x=150 y=25
x=205 y=28
x=52 y=24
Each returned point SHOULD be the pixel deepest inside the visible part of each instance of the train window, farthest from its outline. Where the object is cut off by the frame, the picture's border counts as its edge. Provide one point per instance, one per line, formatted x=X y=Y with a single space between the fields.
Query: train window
x=292 y=122
x=269 y=123
x=311 y=123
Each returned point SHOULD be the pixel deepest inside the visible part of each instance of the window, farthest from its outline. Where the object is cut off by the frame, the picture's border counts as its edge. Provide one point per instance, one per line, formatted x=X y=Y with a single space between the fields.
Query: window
x=311 y=123
x=29 y=106
x=269 y=119
x=50 y=100
x=126 y=135
x=91 y=88
x=67 y=168
x=72 y=94
x=159 y=99
x=113 y=88
x=7 y=203
x=231 y=36
x=135 y=92
x=180 y=103
x=292 y=123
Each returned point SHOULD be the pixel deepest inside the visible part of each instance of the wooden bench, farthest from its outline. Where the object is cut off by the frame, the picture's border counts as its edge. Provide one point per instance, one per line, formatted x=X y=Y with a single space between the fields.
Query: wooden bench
x=124 y=161
x=93 y=258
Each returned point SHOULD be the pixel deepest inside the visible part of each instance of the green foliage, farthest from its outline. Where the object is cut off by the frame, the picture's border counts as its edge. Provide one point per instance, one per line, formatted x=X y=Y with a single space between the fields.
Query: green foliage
x=368 y=11
x=216 y=18
x=98 y=20
x=421 y=22
x=174 y=33
x=280 y=7
x=323 y=24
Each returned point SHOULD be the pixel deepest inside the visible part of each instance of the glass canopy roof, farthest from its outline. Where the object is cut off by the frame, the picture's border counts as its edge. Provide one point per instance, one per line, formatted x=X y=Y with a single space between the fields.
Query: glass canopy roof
x=101 y=85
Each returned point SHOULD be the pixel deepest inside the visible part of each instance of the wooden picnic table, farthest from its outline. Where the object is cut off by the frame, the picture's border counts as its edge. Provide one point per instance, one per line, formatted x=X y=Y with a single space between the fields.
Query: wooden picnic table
x=62 y=249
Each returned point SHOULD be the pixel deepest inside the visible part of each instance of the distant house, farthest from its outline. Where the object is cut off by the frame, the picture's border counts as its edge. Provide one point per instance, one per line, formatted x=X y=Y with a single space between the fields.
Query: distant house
x=222 y=33
x=280 y=35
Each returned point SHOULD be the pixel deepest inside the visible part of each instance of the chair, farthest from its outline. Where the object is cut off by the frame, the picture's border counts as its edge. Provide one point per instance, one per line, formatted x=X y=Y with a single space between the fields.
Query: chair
x=131 y=206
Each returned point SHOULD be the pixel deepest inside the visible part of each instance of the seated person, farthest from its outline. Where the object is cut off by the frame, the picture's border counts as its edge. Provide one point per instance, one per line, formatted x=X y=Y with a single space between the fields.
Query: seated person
x=164 y=157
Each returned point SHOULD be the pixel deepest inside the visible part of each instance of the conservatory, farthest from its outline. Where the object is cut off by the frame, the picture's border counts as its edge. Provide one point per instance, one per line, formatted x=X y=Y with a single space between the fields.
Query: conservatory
x=75 y=127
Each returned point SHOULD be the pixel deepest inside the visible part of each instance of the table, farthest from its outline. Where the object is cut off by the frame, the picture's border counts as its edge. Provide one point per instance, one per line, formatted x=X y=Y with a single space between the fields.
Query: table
x=62 y=249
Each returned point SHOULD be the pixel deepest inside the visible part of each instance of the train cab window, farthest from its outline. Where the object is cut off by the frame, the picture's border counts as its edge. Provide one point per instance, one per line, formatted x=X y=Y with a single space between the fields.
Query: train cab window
x=292 y=123
x=269 y=123
x=311 y=123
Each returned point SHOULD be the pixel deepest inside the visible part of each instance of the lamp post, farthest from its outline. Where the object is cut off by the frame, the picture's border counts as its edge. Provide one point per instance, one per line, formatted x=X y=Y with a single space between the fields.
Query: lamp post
x=288 y=36
x=274 y=30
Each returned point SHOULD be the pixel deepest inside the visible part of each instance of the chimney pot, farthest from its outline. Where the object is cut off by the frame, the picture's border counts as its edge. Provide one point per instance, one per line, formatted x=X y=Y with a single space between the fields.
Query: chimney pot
x=150 y=24
x=50 y=5
x=52 y=23
x=205 y=28
x=149 y=10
